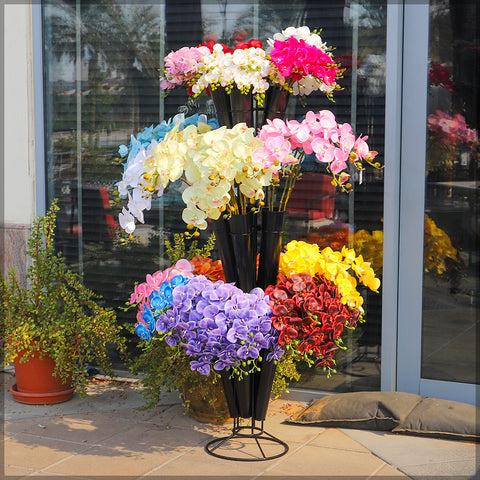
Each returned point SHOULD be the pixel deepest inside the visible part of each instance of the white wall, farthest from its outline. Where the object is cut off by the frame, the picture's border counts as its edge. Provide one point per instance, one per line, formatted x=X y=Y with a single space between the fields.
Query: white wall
x=19 y=134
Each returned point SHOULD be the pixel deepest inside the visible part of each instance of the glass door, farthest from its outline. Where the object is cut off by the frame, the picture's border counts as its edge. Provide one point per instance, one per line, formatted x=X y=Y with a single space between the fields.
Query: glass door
x=98 y=93
x=438 y=296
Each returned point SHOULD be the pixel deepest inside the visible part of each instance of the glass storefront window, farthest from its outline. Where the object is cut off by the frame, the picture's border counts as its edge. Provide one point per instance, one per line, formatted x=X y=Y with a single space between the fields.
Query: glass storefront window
x=101 y=76
x=452 y=228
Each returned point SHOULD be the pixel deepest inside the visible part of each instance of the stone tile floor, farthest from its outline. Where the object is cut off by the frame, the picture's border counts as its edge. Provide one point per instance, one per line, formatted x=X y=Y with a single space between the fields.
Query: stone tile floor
x=105 y=435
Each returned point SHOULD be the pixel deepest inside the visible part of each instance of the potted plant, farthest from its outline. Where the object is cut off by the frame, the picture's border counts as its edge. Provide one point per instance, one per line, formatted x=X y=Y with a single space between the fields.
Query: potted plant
x=165 y=367
x=53 y=328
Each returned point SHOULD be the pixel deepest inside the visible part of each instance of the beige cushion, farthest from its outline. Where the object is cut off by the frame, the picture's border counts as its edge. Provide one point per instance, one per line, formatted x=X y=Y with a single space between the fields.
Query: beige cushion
x=394 y=411
x=363 y=410
x=443 y=419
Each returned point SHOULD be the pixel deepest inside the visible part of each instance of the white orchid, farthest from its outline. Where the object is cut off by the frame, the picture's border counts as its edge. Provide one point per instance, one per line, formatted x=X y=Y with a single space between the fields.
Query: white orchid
x=300 y=33
x=244 y=69
x=127 y=221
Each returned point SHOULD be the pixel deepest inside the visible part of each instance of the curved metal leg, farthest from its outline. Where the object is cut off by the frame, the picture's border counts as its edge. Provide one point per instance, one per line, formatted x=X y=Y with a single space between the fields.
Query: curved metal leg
x=253 y=432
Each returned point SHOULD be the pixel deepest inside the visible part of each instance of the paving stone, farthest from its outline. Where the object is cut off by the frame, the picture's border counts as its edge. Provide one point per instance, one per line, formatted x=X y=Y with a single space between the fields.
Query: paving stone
x=103 y=461
x=403 y=450
x=388 y=472
x=310 y=461
x=447 y=470
x=37 y=453
x=87 y=428
x=156 y=439
x=334 y=438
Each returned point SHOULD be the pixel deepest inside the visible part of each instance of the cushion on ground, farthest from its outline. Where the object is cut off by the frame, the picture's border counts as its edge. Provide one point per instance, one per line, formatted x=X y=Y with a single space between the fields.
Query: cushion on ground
x=442 y=419
x=393 y=411
x=363 y=410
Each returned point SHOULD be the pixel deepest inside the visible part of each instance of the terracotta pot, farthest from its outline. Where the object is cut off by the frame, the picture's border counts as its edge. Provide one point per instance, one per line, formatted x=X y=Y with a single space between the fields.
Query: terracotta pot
x=36 y=383
x=200 y=408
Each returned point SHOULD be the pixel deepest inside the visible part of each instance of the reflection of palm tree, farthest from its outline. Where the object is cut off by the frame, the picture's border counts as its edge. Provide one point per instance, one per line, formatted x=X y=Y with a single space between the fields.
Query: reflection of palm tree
x=271 y=19
x=113 y=38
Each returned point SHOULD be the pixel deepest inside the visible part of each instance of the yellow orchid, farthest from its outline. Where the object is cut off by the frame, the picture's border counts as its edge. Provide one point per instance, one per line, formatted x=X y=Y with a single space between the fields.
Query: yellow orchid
x=337 y=266
x=438 y=247
x=370 y=245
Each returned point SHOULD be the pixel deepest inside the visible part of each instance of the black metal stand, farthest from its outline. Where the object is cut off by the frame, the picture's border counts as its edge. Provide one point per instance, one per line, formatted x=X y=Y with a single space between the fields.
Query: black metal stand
x=256 y=433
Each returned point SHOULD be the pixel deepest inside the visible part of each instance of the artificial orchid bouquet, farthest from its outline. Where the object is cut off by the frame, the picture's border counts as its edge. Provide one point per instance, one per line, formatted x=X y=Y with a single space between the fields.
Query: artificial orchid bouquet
x=344 y=268
x=439 y=253
x=311 y=318
x=451 y=130
x=227 y=171
x=285 y=144
x=449 y=135
x=365 y=243
x=133 y=186
x=440 y=76
x=214 y=323
x=316 y=299
x=296 y=60
x=303 y=62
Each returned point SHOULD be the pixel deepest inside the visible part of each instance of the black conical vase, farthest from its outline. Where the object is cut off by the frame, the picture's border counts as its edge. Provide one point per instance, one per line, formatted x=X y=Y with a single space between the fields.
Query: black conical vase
x=221 y=100
x=249 y=396
x=270 y=247
x=276 y=102
x=238 y=394
x=241 y=107
x=234 y=107
x=243 y=232
x=223 y=240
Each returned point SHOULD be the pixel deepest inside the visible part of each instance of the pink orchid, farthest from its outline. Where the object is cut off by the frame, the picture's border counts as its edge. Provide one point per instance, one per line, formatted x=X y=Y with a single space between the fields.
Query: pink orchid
x=142 y=291
x=340 y=161
x=182 y=267
x=333 y=144
x=360 y=147
x=323 y=149
x=139 y=293
x=300 y=135
x=347 y=138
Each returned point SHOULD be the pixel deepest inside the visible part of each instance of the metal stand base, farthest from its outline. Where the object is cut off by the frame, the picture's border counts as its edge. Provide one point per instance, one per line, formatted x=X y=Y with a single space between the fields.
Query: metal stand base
x=253 y=432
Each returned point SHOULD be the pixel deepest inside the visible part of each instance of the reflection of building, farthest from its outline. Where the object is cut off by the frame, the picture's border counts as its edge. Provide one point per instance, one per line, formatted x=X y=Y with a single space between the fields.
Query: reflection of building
x=74 y=139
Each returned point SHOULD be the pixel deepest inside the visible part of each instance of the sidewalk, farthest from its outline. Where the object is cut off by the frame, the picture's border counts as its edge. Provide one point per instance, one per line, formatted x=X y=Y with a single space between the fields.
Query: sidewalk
x=103 y=435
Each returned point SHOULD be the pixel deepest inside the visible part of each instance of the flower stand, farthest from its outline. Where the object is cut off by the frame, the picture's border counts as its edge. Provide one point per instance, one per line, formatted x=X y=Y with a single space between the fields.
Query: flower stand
x=248 y=397
x=232 y=174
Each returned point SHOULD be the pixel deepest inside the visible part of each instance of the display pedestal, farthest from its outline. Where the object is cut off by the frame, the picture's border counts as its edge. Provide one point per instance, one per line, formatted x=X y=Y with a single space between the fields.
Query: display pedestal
x=248 y=398
x=252 y=440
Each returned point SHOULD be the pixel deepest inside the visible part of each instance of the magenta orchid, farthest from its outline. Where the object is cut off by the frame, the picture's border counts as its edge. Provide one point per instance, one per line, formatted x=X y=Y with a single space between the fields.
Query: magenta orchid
x=303 y=61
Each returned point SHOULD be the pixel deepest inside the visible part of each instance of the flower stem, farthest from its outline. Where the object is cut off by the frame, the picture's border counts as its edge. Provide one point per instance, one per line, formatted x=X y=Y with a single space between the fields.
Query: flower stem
x=290 y=183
